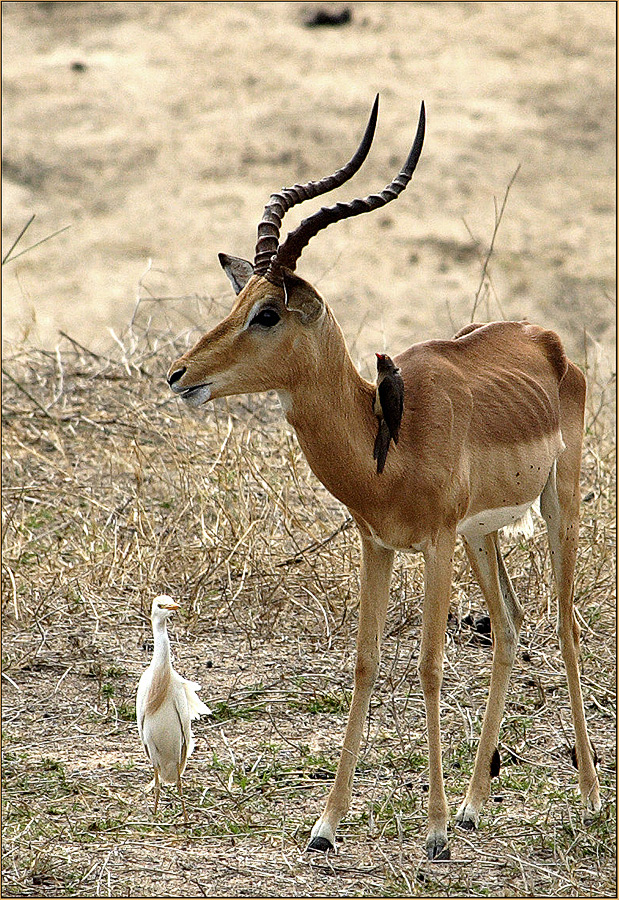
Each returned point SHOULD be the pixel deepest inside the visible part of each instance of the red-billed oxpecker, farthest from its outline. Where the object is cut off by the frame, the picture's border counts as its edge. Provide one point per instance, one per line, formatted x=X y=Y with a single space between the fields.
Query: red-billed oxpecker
x=388 y=407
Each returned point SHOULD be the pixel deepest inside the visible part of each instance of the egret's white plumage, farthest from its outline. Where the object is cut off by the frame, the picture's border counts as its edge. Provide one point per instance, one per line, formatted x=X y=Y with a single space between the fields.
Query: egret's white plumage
x=165 y=705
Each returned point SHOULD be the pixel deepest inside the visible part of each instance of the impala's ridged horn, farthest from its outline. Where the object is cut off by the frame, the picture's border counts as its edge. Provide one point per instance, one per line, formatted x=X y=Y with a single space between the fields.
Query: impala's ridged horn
x=279 y=204
x=290 y=251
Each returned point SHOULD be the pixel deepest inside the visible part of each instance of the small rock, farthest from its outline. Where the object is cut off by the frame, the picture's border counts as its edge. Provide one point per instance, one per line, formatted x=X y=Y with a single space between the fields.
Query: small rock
x=327 y=16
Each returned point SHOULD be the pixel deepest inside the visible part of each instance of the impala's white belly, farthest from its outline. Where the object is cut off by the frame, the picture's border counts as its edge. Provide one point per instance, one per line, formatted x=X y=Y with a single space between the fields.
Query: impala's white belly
x=490 y=520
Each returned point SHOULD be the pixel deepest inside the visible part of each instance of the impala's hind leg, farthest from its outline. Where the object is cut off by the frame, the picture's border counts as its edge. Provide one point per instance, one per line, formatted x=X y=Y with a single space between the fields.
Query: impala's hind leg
x=559 y=506
x=506 y=618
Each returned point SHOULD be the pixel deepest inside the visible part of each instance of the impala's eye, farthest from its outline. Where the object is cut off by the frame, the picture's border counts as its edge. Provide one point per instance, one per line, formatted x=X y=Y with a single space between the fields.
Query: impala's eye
x=267 y=317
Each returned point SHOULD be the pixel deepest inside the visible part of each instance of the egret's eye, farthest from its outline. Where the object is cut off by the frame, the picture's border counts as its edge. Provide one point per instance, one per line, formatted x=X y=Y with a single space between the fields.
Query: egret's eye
x=267 y=317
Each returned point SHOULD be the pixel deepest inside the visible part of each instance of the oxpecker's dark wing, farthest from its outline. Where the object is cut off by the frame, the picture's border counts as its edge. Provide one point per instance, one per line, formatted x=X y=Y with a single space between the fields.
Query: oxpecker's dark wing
x=391 y=393
x=381 y=446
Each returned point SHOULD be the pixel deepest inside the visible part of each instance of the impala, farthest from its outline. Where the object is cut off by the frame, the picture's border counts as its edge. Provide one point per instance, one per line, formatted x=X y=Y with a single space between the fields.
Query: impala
x=492 y=421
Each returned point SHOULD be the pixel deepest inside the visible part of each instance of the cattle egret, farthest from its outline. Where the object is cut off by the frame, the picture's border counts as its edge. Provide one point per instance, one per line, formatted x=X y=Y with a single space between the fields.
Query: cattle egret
x=165 y=705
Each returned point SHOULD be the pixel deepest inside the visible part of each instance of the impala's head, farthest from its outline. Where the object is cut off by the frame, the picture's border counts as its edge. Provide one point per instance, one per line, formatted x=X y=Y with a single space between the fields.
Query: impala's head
x=264 y=342
x=252 y=348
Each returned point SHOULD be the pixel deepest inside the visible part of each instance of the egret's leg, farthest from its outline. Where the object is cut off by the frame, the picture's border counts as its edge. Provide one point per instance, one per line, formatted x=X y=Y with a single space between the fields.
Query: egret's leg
x=179 y=785
x=157 y=789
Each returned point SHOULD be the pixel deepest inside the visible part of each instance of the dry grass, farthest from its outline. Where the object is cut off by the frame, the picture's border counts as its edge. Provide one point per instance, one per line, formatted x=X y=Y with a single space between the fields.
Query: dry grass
x=113 y=492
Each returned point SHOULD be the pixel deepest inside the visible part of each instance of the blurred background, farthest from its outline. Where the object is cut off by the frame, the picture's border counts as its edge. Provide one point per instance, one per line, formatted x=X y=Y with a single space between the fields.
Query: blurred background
x=157 y=131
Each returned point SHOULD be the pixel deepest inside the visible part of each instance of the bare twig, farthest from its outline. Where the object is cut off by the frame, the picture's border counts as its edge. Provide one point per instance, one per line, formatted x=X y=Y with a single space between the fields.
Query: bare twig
x=497 y=221
x=8 y=258
x=28 y=394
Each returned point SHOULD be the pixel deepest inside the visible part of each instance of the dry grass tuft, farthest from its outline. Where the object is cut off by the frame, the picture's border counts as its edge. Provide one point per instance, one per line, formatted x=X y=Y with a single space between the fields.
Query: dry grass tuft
x=112 y=492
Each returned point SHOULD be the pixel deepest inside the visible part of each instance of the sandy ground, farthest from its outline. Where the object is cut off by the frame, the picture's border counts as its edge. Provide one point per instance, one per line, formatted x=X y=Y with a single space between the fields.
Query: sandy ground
x=158 y=130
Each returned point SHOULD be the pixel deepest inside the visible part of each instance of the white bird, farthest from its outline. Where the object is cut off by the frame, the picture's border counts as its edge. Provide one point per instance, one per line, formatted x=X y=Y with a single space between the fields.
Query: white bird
x=165 y=705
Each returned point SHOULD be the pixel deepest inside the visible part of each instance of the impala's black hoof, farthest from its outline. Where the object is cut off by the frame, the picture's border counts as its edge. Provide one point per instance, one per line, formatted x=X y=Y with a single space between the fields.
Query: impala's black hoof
x=320 y=844
x=467 y=824
x=438 y=852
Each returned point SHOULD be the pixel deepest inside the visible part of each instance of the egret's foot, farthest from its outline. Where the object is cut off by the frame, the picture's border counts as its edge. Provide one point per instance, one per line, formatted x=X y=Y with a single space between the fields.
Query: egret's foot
x=467 y=817
x=437 y=847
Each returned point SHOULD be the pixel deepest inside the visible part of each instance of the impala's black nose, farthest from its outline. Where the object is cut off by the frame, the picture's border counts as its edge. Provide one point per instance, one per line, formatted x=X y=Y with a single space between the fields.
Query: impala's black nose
x=176 y=375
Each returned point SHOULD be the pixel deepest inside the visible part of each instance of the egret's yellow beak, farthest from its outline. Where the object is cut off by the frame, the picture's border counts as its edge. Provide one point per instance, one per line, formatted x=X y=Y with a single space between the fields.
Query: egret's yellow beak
x=170 y=606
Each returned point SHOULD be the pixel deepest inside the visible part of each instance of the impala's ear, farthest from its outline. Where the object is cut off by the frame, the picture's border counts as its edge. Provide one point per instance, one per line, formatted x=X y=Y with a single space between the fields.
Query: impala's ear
x=238 y=270
x=302 y=298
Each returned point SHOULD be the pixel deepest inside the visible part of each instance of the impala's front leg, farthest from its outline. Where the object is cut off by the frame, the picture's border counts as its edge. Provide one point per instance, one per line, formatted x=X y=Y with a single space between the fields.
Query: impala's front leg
x=439 y=565
x=376 y=567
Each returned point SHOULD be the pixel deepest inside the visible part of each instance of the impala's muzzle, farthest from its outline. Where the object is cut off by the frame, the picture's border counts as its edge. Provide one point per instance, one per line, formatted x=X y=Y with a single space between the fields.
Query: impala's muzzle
x=174 y=377
x=193 y=395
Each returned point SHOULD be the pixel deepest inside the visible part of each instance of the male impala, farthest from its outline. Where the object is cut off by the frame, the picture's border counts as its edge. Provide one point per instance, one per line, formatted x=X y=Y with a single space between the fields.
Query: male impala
x=493 y=420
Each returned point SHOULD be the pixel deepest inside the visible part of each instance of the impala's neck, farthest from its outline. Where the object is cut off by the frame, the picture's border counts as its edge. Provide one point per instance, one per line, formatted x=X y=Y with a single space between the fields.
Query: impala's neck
x=330 y=406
